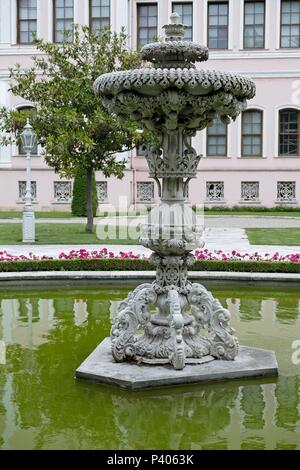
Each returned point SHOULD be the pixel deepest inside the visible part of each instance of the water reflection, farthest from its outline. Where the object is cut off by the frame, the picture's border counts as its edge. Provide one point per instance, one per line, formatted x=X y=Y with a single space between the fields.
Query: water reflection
x=42 y=406
x=287 y=395
x=175 y=418
x=253 y=406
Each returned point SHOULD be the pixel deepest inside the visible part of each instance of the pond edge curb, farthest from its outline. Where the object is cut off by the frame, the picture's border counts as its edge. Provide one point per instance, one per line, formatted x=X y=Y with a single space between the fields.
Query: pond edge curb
x=17 y=278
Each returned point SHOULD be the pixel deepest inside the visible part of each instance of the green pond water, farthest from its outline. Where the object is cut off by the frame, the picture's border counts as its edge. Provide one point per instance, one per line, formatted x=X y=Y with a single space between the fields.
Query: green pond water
x=47 y=333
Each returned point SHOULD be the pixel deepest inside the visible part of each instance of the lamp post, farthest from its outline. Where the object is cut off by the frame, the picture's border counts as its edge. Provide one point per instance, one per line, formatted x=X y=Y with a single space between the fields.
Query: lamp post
x=28 y=138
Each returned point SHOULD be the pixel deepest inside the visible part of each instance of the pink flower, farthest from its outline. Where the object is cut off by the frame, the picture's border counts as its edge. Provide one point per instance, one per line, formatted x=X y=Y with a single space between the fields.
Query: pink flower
x=104 y=253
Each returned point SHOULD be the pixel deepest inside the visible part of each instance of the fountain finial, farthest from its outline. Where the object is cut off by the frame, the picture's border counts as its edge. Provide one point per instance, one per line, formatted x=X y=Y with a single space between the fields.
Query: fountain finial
x=175 y=17
x=175 y=30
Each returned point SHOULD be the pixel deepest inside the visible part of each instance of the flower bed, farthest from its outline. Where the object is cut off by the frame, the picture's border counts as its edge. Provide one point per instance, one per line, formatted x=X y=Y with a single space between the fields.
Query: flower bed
x=219 y=255
x=74 y=254
x=104 y=260
x=200 y=255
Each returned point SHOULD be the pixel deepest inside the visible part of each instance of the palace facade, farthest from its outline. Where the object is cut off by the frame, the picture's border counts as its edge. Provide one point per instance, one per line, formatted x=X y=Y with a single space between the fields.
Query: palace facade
x=254 y=161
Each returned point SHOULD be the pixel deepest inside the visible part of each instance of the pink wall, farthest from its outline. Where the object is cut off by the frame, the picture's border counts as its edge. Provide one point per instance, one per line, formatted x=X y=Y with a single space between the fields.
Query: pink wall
x=276 y=73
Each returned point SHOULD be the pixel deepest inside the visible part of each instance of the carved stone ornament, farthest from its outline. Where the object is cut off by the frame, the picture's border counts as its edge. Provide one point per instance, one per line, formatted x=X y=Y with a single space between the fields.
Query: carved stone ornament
x=161 y=322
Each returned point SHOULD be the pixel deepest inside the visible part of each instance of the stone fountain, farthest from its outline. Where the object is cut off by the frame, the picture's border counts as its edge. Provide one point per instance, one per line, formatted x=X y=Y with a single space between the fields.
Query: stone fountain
x=172 y=330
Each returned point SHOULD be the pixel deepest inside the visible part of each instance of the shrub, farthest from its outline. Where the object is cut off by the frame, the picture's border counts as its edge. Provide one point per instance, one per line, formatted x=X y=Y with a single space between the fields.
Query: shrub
x=79 y=207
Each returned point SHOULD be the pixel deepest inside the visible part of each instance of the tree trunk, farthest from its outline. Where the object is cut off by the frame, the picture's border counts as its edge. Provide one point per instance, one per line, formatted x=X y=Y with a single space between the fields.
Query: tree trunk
x=89 y=201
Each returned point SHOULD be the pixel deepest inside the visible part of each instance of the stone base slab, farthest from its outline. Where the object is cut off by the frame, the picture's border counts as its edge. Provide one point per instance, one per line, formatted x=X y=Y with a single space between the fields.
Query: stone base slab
x=100 y=367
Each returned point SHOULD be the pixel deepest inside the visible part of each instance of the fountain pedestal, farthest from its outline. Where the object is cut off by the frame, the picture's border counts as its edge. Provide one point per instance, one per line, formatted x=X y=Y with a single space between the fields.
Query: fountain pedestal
x=172 y=322
x=100 y=367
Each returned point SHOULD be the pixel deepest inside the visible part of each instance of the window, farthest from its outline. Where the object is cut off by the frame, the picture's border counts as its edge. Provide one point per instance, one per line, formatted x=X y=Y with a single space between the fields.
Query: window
x=22 y=190
x=185 y=10
x=286 y=191
x=218 y=25
x=289 y=132
x=62 y=191
x=147 y=23
x=290 y=23
x=254 y=25
x=250 y=191
x=215 y=191
x=252 y=122
x=27 y=21
x=99 y=14
x=217 y=139
x=34 y=151
x=63 y=20
x=101 y=187
x=145 y=191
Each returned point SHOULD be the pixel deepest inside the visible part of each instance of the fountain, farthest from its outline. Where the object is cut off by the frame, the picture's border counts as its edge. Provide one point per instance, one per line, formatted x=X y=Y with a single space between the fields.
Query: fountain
x=173 y=321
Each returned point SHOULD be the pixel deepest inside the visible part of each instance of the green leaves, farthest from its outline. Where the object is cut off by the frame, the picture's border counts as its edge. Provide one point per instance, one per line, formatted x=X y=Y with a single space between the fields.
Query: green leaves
x=71 y=124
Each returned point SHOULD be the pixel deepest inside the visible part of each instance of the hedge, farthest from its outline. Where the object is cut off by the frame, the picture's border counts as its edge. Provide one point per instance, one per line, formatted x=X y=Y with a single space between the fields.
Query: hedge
x=118 y=264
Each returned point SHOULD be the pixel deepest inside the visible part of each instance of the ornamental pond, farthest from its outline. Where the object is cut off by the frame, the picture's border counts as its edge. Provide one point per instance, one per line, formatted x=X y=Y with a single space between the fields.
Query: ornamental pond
x=46 y=333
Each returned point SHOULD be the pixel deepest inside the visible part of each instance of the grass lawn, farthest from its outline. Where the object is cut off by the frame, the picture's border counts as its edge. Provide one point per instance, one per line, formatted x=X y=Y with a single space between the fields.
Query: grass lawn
x=64 y=215
x=274 y=236
x=50 y=234
x=39 y=215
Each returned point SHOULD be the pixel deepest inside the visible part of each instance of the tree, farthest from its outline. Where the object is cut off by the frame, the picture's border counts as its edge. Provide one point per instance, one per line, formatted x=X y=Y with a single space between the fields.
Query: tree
x=72 y=126
x=80 y=194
